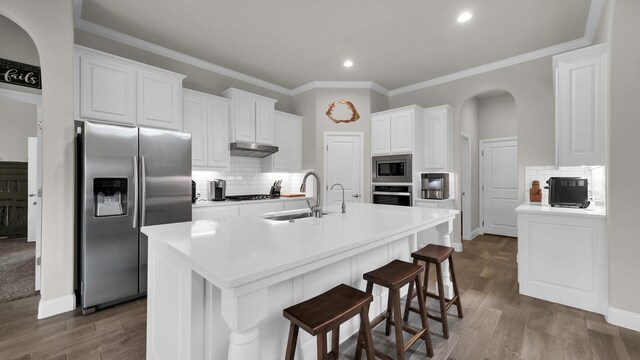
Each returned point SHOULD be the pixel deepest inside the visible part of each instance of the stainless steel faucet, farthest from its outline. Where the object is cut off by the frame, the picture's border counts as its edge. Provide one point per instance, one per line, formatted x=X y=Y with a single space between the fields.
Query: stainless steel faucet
x=344 y=207
x=316 y=209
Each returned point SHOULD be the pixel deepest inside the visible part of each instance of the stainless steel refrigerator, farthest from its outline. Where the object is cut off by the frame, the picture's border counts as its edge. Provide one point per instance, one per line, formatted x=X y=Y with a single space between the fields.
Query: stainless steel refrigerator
x=127 y=177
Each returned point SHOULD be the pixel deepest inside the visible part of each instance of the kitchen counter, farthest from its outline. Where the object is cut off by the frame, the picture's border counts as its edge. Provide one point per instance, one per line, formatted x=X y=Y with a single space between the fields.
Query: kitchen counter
x=242 y=271
x=591 y=211
x=207 y=203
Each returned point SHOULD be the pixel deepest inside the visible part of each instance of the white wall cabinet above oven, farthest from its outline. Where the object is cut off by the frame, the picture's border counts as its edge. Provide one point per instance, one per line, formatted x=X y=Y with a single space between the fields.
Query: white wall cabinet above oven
x=288 y=139
x=436 y=138
x=206 y=118
x=580 y=86
x=118 y=90
x=395 y=131
x=252 y=117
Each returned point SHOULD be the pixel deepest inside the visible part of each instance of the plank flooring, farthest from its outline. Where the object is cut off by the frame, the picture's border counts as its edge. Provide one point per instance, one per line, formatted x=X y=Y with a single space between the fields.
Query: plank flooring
x=499 y=323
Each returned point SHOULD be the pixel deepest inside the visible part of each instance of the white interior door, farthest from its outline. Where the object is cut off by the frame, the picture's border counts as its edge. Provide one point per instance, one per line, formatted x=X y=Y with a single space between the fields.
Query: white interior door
x=465 y=178
x=343 y=165
x=499 y=186
x=34 y=215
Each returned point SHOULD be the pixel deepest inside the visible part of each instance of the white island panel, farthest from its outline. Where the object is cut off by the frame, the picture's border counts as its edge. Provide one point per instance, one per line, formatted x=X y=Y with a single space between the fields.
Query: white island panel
x=241 y=272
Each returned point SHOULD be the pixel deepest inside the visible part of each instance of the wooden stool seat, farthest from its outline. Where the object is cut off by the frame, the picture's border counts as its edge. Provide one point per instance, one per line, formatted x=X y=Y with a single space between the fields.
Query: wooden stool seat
x=325 y=313
x=435 y=254
x=393 y=276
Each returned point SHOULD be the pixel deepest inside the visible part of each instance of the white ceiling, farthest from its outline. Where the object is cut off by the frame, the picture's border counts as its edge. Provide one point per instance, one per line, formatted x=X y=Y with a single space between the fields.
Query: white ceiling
x=392 y=43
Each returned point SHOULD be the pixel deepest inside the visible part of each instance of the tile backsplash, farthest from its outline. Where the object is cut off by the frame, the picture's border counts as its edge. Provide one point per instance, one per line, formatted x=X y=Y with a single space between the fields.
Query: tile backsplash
x=595 y=175
x=246 y=177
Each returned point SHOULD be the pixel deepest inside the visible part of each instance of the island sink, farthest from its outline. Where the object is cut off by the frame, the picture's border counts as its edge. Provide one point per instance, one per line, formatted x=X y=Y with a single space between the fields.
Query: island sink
x=294 y=216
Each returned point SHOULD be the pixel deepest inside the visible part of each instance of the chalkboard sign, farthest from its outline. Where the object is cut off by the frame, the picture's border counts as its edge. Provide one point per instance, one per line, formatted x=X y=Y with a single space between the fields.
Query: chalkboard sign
x=16 y=73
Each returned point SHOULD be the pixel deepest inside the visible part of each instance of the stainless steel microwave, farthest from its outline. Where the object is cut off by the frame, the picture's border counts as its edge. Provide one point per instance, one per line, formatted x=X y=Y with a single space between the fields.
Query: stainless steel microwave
x=391 y=168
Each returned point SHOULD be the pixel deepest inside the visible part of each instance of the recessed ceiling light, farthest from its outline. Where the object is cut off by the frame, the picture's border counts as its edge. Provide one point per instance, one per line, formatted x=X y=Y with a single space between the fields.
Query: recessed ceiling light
x=464 y=17
x=347 y=63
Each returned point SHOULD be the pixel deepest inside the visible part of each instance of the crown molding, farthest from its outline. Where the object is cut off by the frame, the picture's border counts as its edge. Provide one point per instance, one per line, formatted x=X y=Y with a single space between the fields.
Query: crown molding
x=21 y=96
x=595 y=11
x=340 y=85
x=551 y=50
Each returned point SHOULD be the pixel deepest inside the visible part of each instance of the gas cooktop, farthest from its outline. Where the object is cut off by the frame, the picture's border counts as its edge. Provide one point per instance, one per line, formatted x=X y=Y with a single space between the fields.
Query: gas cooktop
x=248 y=197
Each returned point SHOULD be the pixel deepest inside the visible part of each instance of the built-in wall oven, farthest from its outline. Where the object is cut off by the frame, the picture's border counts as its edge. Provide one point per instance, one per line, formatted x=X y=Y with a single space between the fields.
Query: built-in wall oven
x=392 y=194
x=391 y=169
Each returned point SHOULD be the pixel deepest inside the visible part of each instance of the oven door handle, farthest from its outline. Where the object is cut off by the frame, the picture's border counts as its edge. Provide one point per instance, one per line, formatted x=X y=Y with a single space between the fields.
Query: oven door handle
x=391 y=193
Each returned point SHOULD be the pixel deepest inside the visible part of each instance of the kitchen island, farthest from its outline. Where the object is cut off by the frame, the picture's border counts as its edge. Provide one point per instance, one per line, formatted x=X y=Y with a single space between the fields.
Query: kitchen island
x=217 y=287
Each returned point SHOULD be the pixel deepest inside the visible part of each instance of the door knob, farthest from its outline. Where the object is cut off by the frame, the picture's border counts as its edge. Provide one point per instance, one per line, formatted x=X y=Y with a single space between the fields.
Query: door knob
x=32 y=195
x=356 y=196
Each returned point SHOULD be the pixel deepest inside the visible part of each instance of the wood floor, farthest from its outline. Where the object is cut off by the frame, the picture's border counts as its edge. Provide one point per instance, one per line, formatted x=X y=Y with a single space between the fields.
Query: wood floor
x=498 y=323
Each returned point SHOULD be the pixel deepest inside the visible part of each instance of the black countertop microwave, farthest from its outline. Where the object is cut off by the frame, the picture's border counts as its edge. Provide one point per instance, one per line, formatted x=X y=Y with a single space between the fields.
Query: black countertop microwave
x=568 y=191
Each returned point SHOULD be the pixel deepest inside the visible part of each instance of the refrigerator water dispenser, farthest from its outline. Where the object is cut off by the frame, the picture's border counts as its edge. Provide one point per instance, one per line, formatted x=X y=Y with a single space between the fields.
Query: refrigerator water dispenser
x=110 y=196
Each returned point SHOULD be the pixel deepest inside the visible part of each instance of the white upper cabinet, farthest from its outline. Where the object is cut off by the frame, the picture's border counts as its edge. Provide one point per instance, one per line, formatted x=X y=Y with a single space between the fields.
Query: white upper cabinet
x=437 y=138
x=107 y=89
x=580 y=85
x=251 y=117
x=160 y=100
x=115 y=89
x=394 y=131
x=206 y=118
x=288 y=135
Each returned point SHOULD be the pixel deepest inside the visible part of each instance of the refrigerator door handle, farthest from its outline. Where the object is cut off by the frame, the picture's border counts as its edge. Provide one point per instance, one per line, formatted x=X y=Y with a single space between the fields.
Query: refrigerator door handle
x=135 y=192
x=144 y=190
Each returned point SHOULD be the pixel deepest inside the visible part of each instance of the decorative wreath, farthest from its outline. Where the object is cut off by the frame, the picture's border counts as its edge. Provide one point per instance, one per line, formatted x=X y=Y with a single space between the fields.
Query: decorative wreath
x=354 y=113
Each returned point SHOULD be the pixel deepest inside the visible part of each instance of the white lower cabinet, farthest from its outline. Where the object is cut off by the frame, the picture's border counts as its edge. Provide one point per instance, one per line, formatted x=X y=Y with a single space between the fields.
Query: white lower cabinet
x=431 y=236
x=206 y=118
x=214 y=212
x=562 y=258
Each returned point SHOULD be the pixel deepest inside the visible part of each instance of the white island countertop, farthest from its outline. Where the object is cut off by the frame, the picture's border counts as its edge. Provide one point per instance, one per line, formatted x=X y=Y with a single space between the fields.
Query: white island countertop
x=235 y=251
x=201 y=203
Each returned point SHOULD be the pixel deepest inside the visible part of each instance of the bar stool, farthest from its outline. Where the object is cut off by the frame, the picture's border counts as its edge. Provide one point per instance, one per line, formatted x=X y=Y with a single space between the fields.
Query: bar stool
x=435 y=254
x=325 y=313
x=393 y=276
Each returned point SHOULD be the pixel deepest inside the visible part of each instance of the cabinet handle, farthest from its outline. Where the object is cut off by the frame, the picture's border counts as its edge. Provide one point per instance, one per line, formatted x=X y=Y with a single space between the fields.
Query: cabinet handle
x=356 y=196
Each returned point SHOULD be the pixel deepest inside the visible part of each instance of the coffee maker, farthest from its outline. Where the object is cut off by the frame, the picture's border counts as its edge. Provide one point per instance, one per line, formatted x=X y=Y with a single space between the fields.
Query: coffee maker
x=217 y=189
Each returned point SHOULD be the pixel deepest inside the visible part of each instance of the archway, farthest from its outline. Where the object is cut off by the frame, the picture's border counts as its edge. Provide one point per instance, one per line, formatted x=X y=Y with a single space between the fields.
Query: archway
x=20 y=171
x=488 y=116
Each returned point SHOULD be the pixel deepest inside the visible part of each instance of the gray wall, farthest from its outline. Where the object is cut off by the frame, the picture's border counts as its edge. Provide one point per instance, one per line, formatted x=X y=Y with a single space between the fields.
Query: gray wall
x=623 y=168
x=50 y=25
x=197 y=78
x=497 y=117
x=469 y=125
x=17 y=121
x=530 y=83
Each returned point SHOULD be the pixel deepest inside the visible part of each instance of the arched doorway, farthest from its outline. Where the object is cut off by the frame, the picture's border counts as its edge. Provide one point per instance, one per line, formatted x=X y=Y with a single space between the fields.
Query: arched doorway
x=489 y=117
x=20 y=171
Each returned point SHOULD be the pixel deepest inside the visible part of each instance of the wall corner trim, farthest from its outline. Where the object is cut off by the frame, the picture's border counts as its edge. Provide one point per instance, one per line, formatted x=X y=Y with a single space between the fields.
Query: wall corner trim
x=476 y=232
x=457 y=247
x=623 y=318
x=47 y=308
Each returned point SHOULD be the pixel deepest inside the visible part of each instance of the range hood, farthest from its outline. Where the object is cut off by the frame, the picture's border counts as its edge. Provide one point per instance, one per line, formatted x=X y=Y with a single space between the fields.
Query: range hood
x=248 y=149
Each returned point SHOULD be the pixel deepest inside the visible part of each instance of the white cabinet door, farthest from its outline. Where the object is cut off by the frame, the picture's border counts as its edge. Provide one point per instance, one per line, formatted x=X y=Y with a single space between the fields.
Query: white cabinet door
x=288 y=136
x=380 y=137
x=263 y=208
x=159 y=100
x=437 y=138
x=219 y=154
x=213 y=212
x=402 y=132
x=196 y=109
x=107 y=90
x=580 y=106
x=264 y=123
x=244 y=119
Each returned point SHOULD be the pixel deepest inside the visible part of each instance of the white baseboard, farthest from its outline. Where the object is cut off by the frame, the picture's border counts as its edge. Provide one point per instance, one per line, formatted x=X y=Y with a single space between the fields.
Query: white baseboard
x=475 y=233
x=56 y=306
x=623 y=318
